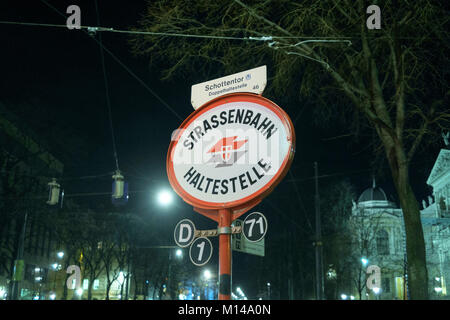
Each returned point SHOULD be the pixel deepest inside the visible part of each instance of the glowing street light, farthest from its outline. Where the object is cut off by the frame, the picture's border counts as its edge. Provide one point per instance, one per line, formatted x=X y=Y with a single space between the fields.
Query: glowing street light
x=2 y=293
x=60 y=254
x=364 y=261
x=165 y=197
x=207 y=274
x=376 y=290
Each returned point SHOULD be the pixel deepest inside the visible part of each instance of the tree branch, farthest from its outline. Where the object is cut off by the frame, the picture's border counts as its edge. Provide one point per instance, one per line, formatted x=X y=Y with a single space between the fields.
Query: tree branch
x=252 y=12
x=422 y=131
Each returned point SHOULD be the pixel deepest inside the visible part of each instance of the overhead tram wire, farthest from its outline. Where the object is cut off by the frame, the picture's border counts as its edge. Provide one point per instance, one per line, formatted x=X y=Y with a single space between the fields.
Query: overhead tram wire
x=104 y=175
x=202 y=36
x=285 y=216
x=108 y=101
x=181 y=35
x=81 y=194
x=300 y=199
x=263 y=38
x=86 y=30
x=353 y=172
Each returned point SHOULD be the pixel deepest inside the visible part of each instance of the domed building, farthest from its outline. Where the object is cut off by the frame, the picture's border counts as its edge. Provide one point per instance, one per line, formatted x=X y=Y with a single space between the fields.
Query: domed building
x=379 y=237
x=374 y=197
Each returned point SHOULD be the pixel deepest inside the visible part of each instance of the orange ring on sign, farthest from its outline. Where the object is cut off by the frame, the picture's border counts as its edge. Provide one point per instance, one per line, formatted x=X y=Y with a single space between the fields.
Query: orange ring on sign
x=263 y=191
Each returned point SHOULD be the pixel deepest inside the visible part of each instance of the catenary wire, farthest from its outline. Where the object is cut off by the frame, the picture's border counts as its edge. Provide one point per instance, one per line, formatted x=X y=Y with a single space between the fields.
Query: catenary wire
x=122 y=65
x=202 y=36
x=105 y=80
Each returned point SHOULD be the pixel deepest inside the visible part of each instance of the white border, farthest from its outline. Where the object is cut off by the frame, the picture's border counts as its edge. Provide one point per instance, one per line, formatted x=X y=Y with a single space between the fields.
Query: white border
x=193 y=234
x=265 y=231
x=207 y=260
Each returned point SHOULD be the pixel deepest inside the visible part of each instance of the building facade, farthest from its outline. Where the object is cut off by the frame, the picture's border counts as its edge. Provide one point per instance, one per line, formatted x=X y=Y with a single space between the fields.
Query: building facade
x=27 y=244
x=379 y=237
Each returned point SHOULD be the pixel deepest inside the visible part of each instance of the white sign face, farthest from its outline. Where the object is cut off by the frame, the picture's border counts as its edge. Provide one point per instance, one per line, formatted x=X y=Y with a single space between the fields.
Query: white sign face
x=254 y=227
x=230 y=152
x=184 y=233
x=253 y=80
x=200 y=251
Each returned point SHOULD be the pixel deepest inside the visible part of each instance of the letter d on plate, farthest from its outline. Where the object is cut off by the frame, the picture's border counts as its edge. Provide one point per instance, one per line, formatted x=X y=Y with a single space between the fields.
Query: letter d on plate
x=184 y=233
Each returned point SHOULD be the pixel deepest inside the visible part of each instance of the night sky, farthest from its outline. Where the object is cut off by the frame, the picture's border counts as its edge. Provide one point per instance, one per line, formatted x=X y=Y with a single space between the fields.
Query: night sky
x=52 y=79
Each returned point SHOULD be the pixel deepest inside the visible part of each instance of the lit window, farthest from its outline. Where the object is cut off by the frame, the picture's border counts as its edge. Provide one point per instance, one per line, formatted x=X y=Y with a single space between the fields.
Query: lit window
x=96 y=284
x=85 y=284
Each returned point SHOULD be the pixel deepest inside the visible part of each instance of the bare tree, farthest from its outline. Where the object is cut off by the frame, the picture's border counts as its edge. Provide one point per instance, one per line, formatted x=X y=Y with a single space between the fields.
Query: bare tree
x=92 y=259
x=21 y=190
x=112 y=268
x=390 y=79
x=336 y=208
x=362 y=228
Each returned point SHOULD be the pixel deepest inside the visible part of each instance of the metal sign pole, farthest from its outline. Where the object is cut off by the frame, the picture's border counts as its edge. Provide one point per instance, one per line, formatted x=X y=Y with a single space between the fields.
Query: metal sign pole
x=318 y=242
x=224 y=254
x=19 y=264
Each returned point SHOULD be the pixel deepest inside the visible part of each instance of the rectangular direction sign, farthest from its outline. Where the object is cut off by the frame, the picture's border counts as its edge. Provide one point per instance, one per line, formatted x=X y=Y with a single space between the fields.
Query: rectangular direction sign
x=239 y=243
x=253 y=80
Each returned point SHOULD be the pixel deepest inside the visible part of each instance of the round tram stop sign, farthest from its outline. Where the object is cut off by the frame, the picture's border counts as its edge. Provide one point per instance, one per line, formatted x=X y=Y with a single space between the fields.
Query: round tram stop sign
x=231 y=151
